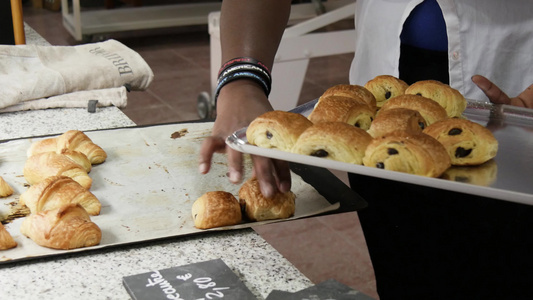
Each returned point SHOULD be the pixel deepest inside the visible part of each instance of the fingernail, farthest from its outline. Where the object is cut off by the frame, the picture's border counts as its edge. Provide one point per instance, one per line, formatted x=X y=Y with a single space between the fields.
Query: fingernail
x=234 y=176
x=202 y=168
x=266 y=189
x=285 y=187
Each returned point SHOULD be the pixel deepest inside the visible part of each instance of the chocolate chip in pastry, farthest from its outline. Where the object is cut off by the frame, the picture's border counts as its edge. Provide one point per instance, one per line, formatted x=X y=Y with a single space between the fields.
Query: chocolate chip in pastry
x=56 y=191
x=334 y=140
x=354 y=91
x=413 y=153
x=449 y=98
x=259 y=208
x=467 y=142
x=6 y=240
x=277 y=129
x=384 y=87
x=342 y=109
x=67 y=227
x=430 y=110
x=216 y=209
x=394 y=119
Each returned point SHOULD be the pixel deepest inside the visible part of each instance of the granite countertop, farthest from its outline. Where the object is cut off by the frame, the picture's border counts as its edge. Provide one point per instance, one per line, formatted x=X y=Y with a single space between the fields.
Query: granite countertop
x=97 y=274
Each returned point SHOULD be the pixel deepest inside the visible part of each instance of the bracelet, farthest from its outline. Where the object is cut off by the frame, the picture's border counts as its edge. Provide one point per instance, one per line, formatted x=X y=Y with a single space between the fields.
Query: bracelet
x=242 y=60
x=238 y=75
x=246 y=67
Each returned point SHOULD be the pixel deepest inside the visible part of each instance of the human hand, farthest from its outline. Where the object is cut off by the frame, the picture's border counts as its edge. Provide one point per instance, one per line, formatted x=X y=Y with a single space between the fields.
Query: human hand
x=497 y=96
x=239 y=103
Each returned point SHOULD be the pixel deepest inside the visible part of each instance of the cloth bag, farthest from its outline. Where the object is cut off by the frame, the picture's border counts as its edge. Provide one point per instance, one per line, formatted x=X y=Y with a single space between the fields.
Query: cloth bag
x=31 y=72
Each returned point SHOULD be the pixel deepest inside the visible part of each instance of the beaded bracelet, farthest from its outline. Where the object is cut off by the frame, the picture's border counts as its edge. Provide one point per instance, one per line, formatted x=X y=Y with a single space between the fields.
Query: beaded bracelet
x=238 y=75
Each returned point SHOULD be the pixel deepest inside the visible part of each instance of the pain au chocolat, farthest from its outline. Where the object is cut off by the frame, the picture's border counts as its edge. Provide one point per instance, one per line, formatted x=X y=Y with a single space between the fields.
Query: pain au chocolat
x=394 y=119
x=277 y=129
x=216 y=209
x=343 y=109
x=451 y=99
x=413 y=153
x=357 y=92
x=259 y=208
x=384 y=87
x=334 y=140
x=466 y=142
x=430 y=110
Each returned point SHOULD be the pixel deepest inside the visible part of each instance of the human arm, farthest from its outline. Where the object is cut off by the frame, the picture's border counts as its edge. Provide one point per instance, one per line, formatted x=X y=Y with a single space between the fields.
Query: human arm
x=248 y=28
x=497 y=96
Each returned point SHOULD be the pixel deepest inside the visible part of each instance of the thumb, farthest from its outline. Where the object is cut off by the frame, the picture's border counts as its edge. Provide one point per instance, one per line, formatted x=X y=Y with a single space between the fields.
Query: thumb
x=493 y=92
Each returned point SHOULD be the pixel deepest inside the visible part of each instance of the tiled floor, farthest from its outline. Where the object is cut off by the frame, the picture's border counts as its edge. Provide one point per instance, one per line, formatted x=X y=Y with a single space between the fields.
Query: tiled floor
x=321 y=247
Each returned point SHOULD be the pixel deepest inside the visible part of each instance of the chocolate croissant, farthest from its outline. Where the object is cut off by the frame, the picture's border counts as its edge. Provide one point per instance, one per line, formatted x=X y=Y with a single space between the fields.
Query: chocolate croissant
x=6 y=240
x=384 y=87
x=467 y=142
x=334 y=140
x=277 y=129
x=73 y=140
x=357 y=92
x=67 y=227
x=43 y=165
x=451 y=99
x=259 y=208
x=430 y=110
x=394 y=119
x=56 y=191
x=216 y=209
x=413 y=153
x=342 y=109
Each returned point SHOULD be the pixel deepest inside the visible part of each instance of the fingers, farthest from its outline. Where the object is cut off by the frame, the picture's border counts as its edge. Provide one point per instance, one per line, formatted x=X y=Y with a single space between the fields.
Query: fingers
x=235 y=165
x=209 y=146
x=493 y=92
x=273 y=175
x=525 y=99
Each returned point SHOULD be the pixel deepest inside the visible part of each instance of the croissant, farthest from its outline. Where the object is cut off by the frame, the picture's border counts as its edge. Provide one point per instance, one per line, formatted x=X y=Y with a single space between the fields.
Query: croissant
x=449 y=98
x=40 y=166
x=384 y=87
x=354 y=91
x=56 y=191
x=6 y=240
x=72 y=140
x=259 y=208
x=343 y=109
x=67 y=227
x=5 y=189
x=430 y=110
x=78 y=157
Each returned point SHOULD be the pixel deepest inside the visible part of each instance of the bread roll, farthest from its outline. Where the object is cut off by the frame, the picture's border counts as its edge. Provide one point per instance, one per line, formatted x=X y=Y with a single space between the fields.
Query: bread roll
x=6 y=240
x=430 y=110
x=334 y=140
x=467 y=142
x=42 y=165
x=342 y=109
x=72 y=140
x=413 y=153
x=384 y=87
x=451 y=99
x=277 y=129
x=56 y=191
x=67 y=227
x=216 y=209
x=351 y=91
x=259 y=208
x=394 y=119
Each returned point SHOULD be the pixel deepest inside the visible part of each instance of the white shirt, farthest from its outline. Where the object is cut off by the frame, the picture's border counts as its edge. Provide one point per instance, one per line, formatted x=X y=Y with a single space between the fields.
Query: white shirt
x=493 y=38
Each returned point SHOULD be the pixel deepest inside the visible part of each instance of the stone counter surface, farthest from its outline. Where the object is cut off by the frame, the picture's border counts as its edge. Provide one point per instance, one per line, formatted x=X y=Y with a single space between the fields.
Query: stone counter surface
x=97 y=274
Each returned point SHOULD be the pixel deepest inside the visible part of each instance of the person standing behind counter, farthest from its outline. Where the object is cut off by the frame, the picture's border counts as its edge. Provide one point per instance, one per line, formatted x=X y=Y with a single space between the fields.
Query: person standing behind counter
x=447 y=40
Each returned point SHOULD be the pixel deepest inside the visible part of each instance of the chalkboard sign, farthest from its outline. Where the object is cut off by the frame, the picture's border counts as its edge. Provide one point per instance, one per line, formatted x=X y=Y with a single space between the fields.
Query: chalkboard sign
x=199 y=281
x=326 y=290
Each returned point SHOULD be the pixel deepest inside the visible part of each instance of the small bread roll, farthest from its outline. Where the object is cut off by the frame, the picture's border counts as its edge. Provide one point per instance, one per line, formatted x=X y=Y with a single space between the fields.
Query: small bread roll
x=216 y=209
x=384 y=87
x=67 y=227
x=467 y=142
x=6 y=240
x=259 y=208
x=430 y=110
x=343 y=109
x=351 y=91
x=449 y=98
x=334 y=140
x=413 y=153
x=394 y=119
x=277 y=129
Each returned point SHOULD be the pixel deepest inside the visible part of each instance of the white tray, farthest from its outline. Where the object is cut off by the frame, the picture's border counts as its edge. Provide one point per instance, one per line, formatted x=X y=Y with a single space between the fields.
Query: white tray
x=511 y=171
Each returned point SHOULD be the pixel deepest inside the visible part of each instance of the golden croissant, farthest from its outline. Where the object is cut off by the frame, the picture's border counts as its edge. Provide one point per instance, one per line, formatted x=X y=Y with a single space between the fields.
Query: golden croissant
x=56 y=191
x=40 y=166
x=73 y=140
x=6 y=240
x=5 y=189
x=67 y=227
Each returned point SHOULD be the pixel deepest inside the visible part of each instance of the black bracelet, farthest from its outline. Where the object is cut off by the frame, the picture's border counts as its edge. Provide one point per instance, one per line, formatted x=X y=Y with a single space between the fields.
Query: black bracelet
x=223 y=80
x=247 y=67
x=242 y=60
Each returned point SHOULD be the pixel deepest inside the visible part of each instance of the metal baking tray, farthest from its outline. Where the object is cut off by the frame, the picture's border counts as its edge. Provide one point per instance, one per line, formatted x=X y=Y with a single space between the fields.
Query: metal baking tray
x=509 y=176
